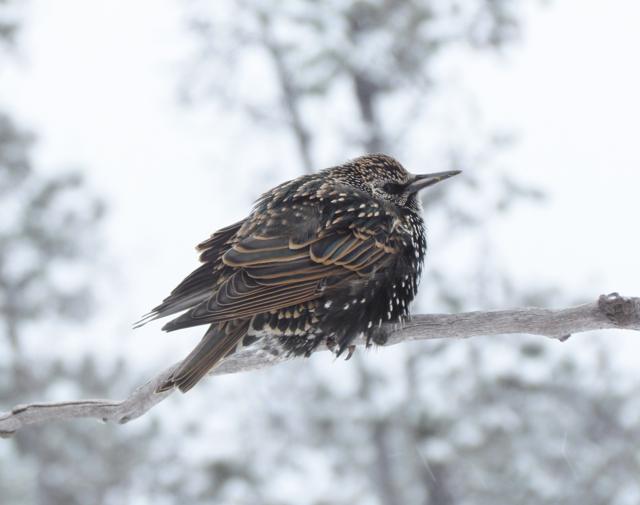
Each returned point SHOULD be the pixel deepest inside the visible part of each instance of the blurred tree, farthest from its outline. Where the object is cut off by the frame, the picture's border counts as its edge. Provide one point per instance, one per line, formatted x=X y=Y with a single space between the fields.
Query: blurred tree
x=362 y=76
x=8 y=21
x=48 y=236
x=377 y=55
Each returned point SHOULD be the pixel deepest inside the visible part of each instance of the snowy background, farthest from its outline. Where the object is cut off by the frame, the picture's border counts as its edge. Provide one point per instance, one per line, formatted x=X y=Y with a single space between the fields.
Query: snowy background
x=172 y=112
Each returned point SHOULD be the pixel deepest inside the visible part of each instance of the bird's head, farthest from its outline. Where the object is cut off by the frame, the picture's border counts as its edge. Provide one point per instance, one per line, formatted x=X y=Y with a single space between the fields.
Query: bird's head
x=384 y=177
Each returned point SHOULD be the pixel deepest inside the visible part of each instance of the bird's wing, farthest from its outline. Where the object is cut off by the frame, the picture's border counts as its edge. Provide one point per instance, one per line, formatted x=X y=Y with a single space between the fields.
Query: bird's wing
x=272 y=271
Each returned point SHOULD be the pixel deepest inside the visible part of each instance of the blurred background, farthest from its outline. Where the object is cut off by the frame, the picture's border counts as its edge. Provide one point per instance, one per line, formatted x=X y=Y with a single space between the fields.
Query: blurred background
x=129 y=131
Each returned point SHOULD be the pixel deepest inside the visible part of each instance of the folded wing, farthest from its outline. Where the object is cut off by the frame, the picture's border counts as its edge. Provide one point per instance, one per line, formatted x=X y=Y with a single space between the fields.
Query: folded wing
x=265 y=273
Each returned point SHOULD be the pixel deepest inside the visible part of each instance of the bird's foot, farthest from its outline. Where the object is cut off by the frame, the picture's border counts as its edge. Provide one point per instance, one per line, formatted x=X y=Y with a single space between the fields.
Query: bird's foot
x=350 y=350
x=379 y=336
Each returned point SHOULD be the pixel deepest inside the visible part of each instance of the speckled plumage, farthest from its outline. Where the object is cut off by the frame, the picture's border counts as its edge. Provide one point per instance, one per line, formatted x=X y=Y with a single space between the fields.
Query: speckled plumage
x=321 y=258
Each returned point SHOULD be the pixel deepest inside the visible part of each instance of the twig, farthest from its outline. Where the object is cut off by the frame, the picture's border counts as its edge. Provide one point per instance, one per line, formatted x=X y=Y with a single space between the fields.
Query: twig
x=610 y=311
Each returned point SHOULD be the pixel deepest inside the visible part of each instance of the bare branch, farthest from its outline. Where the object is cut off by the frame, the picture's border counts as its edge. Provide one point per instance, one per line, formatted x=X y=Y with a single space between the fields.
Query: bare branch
x=609 y=312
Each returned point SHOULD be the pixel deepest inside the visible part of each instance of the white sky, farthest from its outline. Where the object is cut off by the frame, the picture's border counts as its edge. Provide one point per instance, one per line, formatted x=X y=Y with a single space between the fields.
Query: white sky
x=97 y=80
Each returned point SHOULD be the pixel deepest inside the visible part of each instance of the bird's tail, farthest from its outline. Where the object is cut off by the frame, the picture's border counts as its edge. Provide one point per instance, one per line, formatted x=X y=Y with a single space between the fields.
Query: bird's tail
x=219 y=341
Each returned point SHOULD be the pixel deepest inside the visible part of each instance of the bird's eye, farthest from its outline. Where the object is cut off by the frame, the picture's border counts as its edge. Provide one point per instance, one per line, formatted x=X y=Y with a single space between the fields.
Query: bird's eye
x=392 y=188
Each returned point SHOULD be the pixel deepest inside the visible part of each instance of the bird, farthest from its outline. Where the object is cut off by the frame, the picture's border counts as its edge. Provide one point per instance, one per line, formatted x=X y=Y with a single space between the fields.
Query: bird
x=320 y=259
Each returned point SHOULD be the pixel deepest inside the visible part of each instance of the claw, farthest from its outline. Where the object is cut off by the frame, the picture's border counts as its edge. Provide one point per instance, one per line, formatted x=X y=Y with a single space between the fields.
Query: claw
x=350 y=350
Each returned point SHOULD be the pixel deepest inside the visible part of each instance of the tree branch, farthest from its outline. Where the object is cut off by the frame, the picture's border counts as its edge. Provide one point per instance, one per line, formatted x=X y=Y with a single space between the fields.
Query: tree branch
x=609 y=311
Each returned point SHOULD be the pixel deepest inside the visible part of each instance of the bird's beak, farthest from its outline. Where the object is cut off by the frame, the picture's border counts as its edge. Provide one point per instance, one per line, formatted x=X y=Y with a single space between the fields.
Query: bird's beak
x=424 y=180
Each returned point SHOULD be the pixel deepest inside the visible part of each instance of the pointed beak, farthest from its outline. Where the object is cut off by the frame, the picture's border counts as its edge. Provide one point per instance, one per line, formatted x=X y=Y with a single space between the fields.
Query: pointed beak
x=424 y=180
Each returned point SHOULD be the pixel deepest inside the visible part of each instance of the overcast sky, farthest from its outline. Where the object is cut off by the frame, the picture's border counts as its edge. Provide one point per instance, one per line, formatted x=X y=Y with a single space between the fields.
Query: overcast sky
x=97 y=82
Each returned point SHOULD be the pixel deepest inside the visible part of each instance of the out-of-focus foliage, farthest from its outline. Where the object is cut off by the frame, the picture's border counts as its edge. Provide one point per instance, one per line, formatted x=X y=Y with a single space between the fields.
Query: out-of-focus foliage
x=42 y=241
x=9 y=25
x=448 y=427
x=380 y=53
x=49 y=235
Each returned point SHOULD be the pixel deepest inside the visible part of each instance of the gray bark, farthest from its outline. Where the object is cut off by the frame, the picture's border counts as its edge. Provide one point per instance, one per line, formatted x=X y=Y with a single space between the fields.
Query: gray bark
x=608 y=312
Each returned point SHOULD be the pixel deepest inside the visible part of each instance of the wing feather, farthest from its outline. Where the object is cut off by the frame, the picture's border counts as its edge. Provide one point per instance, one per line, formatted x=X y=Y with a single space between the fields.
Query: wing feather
x=269 y=267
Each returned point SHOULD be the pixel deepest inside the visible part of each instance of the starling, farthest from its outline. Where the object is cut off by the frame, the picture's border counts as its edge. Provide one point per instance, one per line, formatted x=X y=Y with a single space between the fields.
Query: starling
x=320 y=259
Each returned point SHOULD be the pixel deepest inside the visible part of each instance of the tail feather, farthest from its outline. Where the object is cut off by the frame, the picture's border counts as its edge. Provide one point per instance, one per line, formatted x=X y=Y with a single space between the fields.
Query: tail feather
x=199 y=284
x=216 y=344
x=167 y=309
x=196 y=288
